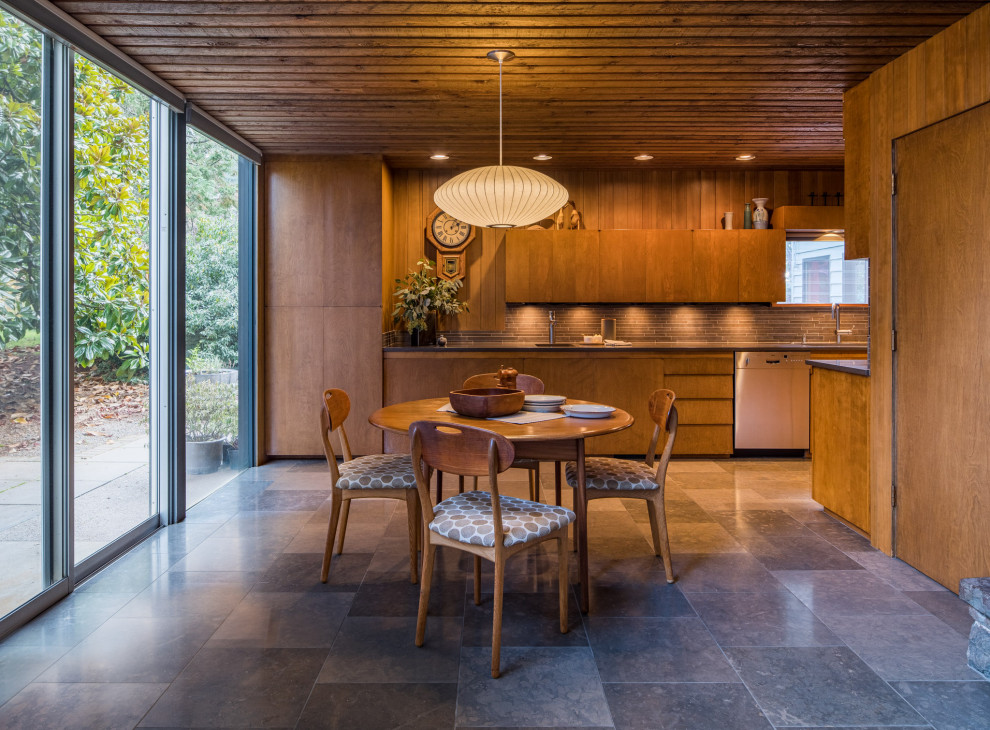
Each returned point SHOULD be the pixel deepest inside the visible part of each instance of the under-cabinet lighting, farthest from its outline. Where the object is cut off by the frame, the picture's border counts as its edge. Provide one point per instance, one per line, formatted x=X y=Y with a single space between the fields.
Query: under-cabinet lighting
x=542 y=158
x=643 y=158
x=746 y=157
x=439 y=157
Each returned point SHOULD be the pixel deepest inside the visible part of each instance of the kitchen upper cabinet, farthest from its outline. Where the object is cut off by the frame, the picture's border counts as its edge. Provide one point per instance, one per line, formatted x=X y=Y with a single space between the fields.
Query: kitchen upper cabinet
x=761 y=266
x=632 y=266
x=715 y=263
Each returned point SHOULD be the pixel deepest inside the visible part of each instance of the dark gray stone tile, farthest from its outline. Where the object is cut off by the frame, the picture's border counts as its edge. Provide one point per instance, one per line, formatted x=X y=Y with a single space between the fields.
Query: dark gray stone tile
x=895 y=572
x=109 y=655
x=283 y=621
x=70 y=620
x=19 y=665
x=630 y=569
x=101 y=705
x=797 y=553
x=848 y=541
x=758 y=522
x=947 y=606
x=383 y=595
x=528 y=619
x=847 y=593
x=212 y=595
x=380 y=707
x=723 y=573
x=371 y=650
x=300 y=573
x=950 y=705
x=534 y=571
x=239 y=687
x=828 y=686
x=262 y=524
x=906 y=647
x=650 y=597
x=538 y=687
x=678 y=510
x=656 y=650
x=284 y=500
x=683 y=707
x=176 y=541
x=761 y=619
x=131 y=573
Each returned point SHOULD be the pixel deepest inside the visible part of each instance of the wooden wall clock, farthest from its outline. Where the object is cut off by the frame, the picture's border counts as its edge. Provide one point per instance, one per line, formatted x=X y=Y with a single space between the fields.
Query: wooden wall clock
x=450 y=237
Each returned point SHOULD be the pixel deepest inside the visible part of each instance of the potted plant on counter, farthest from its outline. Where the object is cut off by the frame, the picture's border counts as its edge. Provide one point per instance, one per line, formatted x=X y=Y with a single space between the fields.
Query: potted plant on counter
x=211 y=420
x=421 y=298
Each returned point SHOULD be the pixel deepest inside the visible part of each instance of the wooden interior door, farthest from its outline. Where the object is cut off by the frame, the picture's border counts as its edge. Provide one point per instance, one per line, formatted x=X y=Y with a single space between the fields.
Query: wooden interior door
x=942 y=356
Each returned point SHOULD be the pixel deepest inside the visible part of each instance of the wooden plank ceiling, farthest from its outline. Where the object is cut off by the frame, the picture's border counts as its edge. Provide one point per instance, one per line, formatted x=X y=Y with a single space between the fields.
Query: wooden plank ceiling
x=692 y=83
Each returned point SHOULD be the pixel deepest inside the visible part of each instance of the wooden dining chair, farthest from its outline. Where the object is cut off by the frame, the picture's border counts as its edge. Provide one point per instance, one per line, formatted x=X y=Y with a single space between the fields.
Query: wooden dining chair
x=627 y=479
x=530 y=385
x=388 y=476
x=485 y=524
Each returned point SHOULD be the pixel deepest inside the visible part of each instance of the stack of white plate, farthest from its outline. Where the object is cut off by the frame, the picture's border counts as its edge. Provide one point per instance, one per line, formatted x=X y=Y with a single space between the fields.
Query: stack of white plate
x=543 y=403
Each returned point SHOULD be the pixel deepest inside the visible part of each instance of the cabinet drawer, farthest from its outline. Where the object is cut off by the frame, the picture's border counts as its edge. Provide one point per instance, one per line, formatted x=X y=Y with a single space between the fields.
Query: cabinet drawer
x=703 y=440
x=706 y=412
x=707 y=365
x=699 y=386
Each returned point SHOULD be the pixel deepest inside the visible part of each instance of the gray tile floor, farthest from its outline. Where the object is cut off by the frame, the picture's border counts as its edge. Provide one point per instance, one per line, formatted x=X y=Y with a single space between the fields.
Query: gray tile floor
x=781 y=617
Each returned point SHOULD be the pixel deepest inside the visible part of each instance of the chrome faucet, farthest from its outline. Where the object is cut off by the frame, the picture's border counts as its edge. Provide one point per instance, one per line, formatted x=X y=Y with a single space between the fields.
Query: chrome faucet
x=837 y=315
x=553 y=321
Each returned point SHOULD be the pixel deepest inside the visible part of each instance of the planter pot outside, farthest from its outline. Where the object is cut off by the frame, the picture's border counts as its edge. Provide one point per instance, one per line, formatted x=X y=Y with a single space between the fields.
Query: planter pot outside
x=203 y=457
x=227 y=375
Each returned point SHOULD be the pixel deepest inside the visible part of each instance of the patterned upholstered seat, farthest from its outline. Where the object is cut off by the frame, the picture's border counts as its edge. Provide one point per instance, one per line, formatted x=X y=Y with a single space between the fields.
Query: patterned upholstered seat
x=615 y=474
x=378 y=471
x=467 y=518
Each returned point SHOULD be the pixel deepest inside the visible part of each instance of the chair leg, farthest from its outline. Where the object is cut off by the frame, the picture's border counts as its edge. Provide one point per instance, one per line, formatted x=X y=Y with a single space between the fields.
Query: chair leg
x=460 y=485
x=412 y=517
x=336 y=497
x=476 y=484
x=424 y=592
x=661 y=543
x=477 y=580
x=532 y=485
x=562 y=578
x=344 y=511
x=497 y=615
x=556 y=482
x=439 y=486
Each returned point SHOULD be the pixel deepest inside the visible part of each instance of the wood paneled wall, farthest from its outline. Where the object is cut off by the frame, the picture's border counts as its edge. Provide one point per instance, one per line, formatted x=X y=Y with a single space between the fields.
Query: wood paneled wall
x=945 y=75
x=323 y=230
x=608 y=199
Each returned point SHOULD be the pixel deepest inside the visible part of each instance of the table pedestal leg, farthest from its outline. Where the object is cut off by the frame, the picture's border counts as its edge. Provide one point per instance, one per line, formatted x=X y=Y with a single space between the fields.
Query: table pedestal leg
x=581 y=511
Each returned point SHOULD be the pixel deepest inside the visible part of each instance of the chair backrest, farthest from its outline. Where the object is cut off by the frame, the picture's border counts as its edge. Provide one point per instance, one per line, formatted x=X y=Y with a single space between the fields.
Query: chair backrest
x=664 y=415
x=528 y=384
x=456 y=449
x=335 y=408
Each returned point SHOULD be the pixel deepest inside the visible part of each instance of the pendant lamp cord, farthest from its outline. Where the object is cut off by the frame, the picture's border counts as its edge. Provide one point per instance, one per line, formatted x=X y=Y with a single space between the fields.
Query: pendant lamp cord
x=500 y=112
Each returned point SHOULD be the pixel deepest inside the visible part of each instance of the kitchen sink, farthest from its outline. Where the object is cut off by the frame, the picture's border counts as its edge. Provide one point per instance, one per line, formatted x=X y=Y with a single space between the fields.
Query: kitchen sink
x=555 y=344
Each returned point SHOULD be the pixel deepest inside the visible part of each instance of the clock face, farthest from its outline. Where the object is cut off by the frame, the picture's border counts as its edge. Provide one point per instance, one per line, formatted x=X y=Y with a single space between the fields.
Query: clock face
x=449 y=232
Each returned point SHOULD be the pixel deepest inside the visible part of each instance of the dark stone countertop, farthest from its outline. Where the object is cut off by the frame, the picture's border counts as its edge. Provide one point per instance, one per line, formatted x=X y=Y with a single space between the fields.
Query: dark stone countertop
x=643 y=347
x=854 y=367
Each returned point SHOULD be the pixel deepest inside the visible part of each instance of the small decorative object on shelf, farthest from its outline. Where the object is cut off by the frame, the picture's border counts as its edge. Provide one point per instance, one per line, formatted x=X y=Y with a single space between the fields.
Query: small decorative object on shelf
x=441 y=341
x=506 y=377
x=761 y=219
x=748 y=217
x=727 y=220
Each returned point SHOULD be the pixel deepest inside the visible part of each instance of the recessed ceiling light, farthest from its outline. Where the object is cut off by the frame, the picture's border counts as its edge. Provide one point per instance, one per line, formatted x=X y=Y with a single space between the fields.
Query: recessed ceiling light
x=542 y=158
x=439 y=157
x=643 y=158
x=746 y=157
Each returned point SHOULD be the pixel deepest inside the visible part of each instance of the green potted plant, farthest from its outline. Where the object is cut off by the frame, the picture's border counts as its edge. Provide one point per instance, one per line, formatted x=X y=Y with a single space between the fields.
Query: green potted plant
x=421 y=298
x=211 y=421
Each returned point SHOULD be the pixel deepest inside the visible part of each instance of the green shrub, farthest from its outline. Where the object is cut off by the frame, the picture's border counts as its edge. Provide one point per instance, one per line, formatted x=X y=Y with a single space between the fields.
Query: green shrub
x=211 y=410
x=211 y=289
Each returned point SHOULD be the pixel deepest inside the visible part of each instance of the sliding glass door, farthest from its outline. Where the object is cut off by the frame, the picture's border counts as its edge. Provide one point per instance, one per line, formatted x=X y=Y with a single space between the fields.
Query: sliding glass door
x=22 y=503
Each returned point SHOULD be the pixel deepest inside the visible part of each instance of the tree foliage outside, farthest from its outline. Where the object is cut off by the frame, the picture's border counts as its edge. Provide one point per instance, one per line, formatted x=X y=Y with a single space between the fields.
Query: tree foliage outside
x=111 y=207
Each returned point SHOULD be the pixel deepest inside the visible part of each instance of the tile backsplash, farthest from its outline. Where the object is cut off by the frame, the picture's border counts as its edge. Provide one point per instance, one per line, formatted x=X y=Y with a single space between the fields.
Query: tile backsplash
x=660 y=323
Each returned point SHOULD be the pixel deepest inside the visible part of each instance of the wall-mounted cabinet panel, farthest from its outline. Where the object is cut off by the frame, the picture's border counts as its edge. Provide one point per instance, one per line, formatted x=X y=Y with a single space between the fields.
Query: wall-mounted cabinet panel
x=574 y=270
x=528 y=265
x=761 y=266
x=622 y=256
x=668 y=262
x=715 y=265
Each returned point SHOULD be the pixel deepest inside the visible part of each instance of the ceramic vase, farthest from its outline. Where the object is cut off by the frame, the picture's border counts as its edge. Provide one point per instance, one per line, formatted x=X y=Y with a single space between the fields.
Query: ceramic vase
x=761 y=219
x=748 y=217
x=727 y=220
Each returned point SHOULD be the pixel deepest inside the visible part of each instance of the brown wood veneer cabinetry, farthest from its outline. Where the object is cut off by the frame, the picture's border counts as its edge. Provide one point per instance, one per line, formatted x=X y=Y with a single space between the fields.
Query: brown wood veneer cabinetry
x=702 y=382
x=809 y=218
x=644 y=266
x=840 y=444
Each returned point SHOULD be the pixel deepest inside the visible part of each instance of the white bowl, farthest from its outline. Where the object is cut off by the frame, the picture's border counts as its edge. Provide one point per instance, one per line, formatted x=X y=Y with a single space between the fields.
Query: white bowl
x=588 y=410
x=544 y=400
x=551 y=408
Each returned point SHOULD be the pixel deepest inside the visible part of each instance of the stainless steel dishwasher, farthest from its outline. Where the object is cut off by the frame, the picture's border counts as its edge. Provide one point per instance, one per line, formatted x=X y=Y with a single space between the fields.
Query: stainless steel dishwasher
x=772 y=401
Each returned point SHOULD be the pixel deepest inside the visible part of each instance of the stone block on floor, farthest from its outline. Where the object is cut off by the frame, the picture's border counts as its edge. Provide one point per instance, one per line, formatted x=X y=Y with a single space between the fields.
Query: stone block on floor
x=976 y=592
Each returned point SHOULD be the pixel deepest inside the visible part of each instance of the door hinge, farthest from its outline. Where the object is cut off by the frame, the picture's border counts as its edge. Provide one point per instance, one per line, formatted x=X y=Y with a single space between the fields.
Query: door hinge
x=893 y=340
x=893 y=494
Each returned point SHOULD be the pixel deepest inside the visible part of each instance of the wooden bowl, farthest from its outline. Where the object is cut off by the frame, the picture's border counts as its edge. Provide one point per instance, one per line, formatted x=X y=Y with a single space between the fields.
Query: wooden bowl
x=487 y=402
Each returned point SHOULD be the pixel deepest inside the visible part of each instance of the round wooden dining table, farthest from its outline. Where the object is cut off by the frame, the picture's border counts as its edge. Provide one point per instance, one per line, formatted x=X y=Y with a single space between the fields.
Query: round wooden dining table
x=560 y=439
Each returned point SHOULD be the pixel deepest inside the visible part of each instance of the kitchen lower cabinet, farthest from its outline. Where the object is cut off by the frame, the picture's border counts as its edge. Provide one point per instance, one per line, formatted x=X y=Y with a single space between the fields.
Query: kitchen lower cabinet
x=702 y=382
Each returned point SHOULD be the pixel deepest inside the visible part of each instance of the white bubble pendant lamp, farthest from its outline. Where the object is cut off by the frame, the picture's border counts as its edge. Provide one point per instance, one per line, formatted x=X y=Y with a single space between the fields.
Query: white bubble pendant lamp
x=500 y=196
